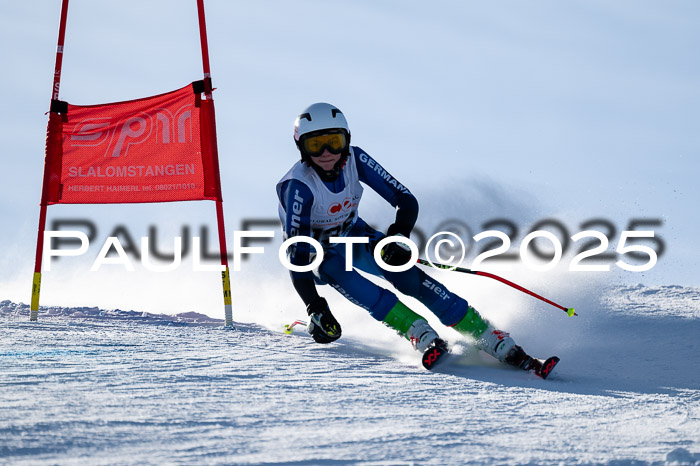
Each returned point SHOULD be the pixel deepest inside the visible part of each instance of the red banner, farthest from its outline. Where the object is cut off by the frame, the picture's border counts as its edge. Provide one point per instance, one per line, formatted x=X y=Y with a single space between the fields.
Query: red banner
x=155 y=149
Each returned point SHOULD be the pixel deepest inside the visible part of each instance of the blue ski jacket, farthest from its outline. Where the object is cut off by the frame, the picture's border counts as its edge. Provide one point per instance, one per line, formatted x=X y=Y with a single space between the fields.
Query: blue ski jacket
x=296 y=221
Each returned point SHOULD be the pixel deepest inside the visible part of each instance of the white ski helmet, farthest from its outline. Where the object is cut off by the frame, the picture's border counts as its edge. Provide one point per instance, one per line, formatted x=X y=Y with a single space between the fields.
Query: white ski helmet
x=317 y=119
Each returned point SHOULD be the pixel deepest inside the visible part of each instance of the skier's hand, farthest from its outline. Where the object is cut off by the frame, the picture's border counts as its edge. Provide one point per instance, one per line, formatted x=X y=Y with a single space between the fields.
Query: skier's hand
x=322 y=325
x=397 y=229
x=396 y=253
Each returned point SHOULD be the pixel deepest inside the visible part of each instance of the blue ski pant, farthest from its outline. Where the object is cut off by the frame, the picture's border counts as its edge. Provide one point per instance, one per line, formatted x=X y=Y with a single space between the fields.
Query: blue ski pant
x=447 y=306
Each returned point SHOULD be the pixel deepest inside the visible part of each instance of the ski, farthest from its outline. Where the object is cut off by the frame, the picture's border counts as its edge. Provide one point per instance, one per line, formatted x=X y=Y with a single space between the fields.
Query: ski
x=434 y=353
x=290 y=327
x=544 y=368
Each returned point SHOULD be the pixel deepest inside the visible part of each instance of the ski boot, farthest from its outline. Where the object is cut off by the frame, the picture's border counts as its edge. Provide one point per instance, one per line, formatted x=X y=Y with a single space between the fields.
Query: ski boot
x=418 y=331
x=518 y=358
x=501 y=346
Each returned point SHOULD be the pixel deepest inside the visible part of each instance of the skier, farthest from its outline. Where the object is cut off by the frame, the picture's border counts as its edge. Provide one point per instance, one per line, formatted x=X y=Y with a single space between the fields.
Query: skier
x=319 y=197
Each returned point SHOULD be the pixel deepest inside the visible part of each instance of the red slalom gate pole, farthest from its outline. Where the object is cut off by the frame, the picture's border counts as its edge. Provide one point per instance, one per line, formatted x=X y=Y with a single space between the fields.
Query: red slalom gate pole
x=569 y=310
x=36 y=282
x=205 y=46
x=208 y=89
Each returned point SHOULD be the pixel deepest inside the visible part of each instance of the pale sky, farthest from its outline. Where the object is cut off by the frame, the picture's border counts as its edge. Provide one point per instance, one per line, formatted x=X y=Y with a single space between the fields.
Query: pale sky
x=524 y=111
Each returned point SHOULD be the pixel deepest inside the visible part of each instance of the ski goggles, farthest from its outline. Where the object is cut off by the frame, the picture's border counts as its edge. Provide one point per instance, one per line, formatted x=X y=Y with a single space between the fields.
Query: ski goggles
x=314 y=146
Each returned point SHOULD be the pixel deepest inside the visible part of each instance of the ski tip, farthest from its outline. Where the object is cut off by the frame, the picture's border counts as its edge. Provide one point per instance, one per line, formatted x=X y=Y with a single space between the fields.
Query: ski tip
x=548 y=366
x=571 y=312
x=289 y=328
x=433 y=355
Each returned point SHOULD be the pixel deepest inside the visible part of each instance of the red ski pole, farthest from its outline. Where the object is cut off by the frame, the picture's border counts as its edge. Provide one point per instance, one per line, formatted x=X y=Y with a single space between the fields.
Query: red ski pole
x=569 y=310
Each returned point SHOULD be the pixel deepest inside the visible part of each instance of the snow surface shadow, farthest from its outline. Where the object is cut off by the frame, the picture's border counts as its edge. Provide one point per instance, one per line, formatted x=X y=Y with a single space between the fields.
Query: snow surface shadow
x=614 y=355
x=611 y=354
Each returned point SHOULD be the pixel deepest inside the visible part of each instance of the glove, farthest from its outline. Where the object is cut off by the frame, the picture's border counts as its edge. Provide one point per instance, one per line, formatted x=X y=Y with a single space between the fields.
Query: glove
x=396 y=253
x=322 y=325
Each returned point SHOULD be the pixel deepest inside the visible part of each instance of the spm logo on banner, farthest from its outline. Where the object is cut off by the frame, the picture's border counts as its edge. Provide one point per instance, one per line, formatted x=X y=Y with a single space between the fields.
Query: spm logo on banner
x=133 y=130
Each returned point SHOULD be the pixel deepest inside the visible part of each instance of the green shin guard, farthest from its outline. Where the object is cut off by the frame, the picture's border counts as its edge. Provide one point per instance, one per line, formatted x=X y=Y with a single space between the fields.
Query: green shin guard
x=400 y=318
x=471 y=324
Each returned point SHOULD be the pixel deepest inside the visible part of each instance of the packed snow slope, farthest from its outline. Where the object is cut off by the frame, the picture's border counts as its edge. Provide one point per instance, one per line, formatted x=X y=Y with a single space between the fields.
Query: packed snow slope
x=92 y=386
